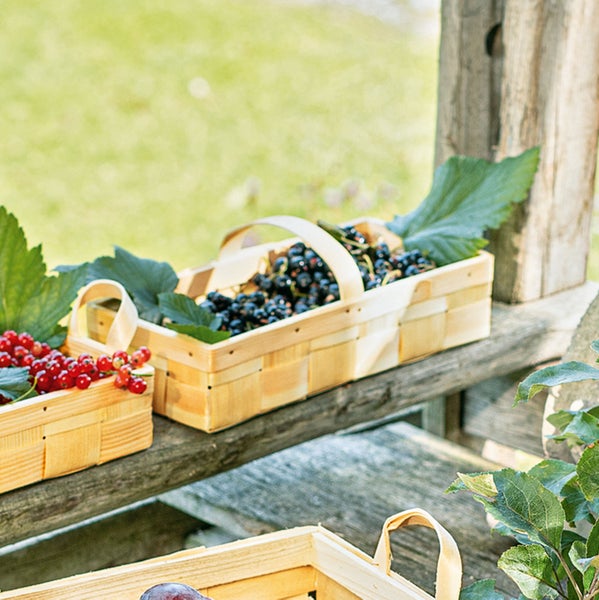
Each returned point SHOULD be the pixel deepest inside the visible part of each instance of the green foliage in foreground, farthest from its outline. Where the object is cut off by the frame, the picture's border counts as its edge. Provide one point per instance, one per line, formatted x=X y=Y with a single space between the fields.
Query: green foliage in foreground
x=157 y=127
x=552 y=510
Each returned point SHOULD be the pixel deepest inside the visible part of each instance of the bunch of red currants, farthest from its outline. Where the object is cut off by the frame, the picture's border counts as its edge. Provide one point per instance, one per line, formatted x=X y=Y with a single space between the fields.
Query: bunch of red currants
x=51 y=370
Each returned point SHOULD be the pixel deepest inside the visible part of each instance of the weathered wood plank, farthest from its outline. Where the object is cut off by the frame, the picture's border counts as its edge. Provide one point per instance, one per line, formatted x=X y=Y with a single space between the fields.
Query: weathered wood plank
x=351 y=483
x=550 y=98
x=521 y=335
x=145 y=531
x=470 y=60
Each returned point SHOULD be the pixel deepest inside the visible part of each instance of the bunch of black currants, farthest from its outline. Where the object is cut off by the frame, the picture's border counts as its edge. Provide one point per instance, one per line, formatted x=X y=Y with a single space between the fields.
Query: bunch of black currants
x=299 y=280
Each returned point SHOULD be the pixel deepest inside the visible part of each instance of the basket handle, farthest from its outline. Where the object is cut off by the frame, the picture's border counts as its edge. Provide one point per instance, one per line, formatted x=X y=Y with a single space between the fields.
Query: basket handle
x=449 y=565
x=124 y=325
x=340 y=262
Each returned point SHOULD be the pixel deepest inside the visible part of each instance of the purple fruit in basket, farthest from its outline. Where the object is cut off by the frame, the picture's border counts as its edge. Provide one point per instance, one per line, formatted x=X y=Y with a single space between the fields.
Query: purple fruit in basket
x=172 y=591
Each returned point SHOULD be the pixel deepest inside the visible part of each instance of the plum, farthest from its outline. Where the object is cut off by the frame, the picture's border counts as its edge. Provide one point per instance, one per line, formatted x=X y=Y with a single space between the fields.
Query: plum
x=172 y=591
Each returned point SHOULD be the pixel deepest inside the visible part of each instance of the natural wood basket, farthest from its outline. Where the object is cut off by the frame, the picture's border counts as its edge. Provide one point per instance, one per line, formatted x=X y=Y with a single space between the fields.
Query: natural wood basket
x=285 y=565
x=69 y=430
x=214 y=386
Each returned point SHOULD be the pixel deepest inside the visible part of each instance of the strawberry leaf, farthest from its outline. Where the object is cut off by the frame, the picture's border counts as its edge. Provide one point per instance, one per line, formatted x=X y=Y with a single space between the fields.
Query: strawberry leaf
x=15 y=384
x=468 y=197
x=29 y=299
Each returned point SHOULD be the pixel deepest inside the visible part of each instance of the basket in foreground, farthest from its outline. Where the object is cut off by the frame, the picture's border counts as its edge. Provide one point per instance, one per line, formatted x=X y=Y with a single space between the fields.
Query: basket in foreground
x=69 y=430
x=300 y=563
x=214 y=386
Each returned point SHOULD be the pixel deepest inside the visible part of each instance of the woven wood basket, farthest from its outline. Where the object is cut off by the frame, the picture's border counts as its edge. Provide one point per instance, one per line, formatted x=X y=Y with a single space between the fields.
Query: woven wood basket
x=288 y=565
x=214 y=386
x=69 y=430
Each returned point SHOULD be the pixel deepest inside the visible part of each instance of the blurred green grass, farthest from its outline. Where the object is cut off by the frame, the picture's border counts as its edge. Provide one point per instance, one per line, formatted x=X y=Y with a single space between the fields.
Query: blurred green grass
x=157 y=126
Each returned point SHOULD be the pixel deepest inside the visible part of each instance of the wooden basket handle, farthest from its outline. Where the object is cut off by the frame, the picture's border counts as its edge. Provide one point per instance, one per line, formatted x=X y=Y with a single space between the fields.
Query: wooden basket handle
x=340 y=262
x=124 y=325
x=449 y=565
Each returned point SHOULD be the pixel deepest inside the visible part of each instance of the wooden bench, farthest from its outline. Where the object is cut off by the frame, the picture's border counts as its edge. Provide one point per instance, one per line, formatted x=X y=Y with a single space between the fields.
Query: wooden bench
x=53 y=522
x=351 y=483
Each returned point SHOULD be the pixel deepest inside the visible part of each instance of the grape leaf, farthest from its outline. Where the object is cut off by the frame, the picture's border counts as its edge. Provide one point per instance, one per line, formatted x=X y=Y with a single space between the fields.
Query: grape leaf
x=30 y=300
x=143 y=278
x=532 y=570
x=15 y=384
x=468 y=197
x=567 y=372
x=190 y=319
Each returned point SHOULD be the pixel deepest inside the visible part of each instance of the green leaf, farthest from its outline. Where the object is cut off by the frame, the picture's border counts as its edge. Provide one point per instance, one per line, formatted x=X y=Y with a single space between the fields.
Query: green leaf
x=468 y=196
x=567 y=372
x=200 y=332
x=190 y=319
x=143 y=278
x=553 y=474
x=14 y=383
x=479 y=483
x=524 y=505
x=531 y=569
x=582 y=428
x=576 y=507
x=180 y=308
x=588 y=472
x=481 y=590
x=29 y=299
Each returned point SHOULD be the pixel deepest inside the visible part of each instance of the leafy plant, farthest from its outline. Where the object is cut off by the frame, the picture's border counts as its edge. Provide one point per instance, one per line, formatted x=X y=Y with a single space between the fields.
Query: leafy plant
x=551 y=510
x=151 y=285
x=468 y=196
x=30 y=300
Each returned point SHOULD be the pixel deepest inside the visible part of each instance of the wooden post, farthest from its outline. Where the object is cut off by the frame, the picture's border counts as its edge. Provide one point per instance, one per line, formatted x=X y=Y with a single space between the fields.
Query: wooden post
x=547 y=52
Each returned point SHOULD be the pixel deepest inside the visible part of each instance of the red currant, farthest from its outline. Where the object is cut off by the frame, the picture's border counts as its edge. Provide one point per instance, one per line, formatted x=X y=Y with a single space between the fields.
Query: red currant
x=83 y=381
x=104 y=363
x=137 y=385
x=5 y=359
x=43 y=381
x=11 y=336
x=138 y=358
x=119 y=358
x=26 y=340
x=65 y=380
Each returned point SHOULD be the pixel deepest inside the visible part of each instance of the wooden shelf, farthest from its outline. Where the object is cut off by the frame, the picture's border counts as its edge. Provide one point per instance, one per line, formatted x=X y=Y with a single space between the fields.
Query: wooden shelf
x=522 y=335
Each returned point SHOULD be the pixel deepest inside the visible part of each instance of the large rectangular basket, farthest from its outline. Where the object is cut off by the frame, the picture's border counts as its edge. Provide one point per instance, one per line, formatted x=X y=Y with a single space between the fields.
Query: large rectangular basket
x=214 y=386
x=296 y=564
x=69 y=430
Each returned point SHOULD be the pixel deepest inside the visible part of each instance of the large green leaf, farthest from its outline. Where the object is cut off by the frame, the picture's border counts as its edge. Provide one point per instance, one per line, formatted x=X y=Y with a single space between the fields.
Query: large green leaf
x=468 y=197
x=30 y=300
x=567 y=372
x=143 y=278
x=532 y=570
x=524 y=505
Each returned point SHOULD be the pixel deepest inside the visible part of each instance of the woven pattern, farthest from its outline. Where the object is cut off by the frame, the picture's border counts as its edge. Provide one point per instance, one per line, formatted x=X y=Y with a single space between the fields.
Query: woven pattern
x=211 y=387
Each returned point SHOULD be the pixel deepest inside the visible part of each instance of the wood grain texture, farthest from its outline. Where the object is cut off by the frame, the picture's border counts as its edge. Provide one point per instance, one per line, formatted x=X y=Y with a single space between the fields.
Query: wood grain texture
x=147 y=530
x=550 y=98
x=350 y=484
x=520 y=335
x=470 y=59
